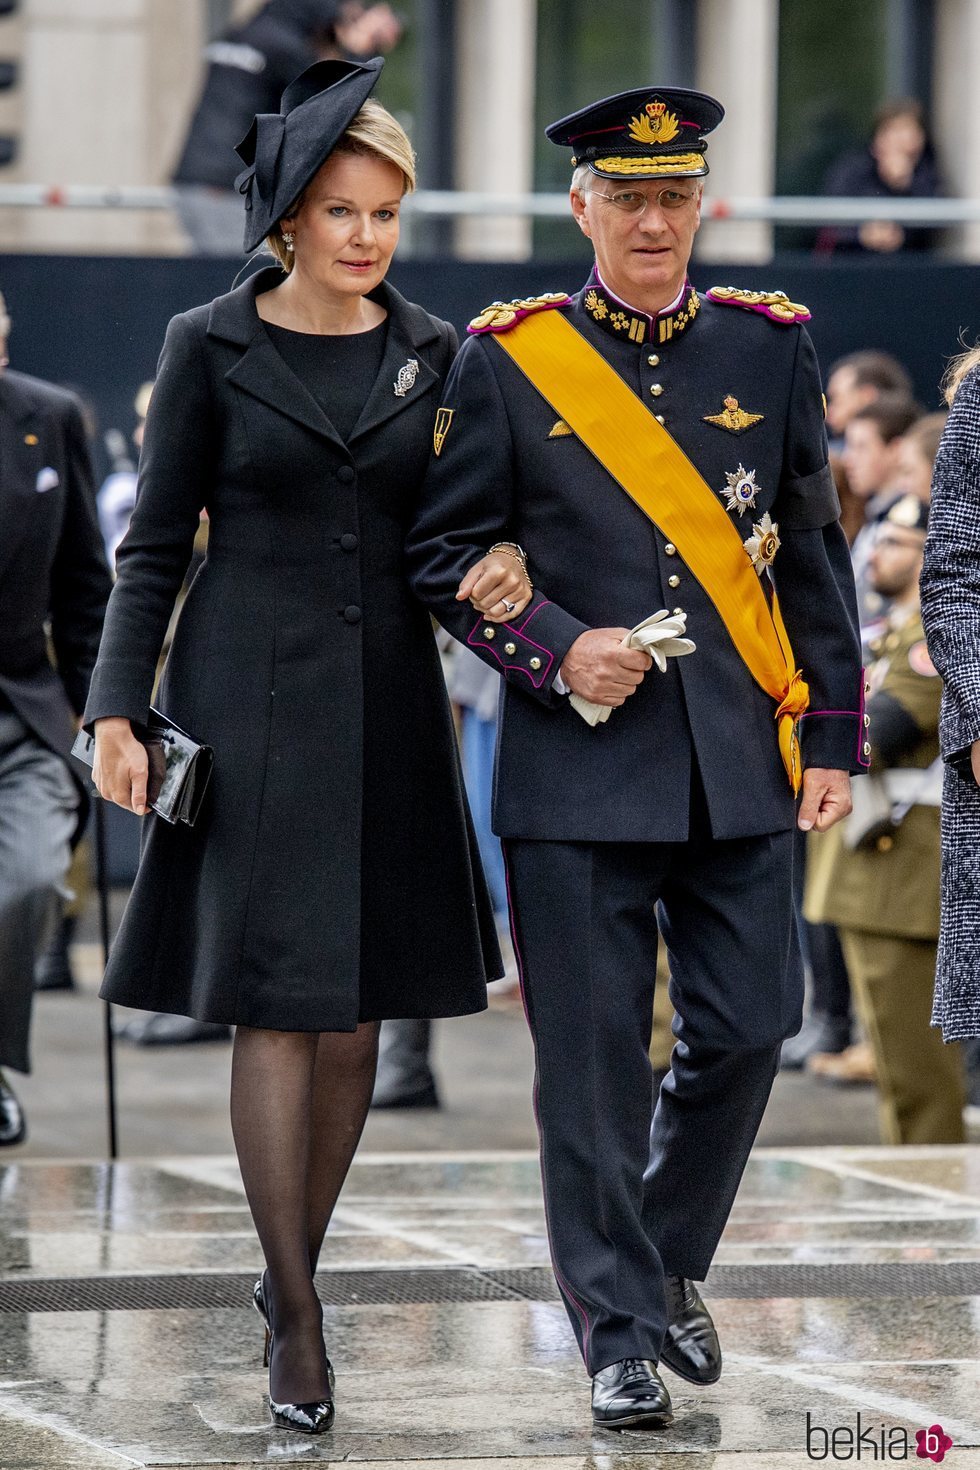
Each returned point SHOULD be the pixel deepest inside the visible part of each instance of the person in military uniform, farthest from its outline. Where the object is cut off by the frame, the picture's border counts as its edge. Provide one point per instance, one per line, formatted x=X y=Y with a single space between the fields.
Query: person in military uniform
x=643 y=447
x=883 y=892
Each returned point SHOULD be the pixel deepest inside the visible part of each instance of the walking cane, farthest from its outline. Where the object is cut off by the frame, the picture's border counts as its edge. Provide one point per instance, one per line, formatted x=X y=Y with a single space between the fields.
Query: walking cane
x=102 y=883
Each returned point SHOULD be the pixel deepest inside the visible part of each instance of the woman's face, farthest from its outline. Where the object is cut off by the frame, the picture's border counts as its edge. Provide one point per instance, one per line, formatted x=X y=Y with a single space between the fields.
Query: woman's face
x=346 y=228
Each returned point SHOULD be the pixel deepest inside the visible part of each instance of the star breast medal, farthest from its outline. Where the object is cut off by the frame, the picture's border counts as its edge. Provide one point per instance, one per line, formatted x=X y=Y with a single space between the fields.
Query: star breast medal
x=763 y=544
x=741 y=490
x=406 y=377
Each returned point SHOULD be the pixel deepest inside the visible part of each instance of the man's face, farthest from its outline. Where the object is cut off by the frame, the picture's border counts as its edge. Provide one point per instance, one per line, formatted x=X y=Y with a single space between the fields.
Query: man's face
x=868 y=460
x=913 y=469
x=895 y=561
x=845 y=398
x=643 y=234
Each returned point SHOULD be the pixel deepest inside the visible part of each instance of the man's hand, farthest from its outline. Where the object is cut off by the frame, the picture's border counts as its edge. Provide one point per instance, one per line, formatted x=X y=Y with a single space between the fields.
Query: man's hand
x=975 y=760
x=121 y=765
x=495 y=581
x=601 y=670
x=826 y=798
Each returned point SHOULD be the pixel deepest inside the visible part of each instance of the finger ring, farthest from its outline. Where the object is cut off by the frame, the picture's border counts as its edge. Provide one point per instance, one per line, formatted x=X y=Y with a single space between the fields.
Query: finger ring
x=510 y=606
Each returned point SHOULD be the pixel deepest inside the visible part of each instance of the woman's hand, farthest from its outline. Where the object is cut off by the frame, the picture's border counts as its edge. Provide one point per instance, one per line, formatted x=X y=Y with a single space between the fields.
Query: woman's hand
x=498 y=587
x=121 y=765
x=975 y=760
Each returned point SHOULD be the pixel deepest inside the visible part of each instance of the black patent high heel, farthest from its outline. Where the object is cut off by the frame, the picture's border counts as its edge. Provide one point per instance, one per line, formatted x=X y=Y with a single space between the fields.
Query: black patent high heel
x=311 y=1418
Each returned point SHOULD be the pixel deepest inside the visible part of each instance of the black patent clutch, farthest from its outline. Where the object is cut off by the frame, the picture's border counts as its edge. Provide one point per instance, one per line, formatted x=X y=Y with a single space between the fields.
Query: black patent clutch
x=180 y=767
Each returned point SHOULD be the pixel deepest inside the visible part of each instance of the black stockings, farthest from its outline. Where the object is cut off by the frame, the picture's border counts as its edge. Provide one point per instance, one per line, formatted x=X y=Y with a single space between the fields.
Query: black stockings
x=298 y=1104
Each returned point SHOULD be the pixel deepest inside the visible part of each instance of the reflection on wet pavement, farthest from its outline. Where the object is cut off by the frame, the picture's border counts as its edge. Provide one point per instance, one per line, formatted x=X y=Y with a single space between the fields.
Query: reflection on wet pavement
x=484 y=1384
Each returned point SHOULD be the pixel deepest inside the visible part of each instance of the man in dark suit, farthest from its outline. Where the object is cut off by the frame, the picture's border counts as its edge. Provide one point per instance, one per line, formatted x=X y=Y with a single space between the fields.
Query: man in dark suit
x=54 y=585
x=706 y=409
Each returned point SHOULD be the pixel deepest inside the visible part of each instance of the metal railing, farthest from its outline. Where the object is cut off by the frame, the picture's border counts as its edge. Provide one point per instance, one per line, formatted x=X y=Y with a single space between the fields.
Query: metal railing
x=452 y=204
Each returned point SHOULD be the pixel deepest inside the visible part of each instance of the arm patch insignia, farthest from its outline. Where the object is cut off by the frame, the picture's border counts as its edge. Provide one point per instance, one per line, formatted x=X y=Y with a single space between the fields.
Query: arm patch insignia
x=776 y=305
x=500 y=316
x=444 y=418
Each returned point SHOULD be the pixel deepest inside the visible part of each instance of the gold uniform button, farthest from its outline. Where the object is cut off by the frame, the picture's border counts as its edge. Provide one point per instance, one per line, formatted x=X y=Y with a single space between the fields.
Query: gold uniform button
x=659 y=417
x=867 y=748
x=489 y=632
x=670 y=549
x=510 y=648
x=656 y=389
x=885 y=844
x=673 y=581
x=653 y=360
x=535 y=662
x=867 y=722
x=678 y=611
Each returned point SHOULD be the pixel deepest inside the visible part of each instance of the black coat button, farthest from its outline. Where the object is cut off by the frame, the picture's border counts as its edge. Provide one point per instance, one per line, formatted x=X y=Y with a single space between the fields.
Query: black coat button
x=352 y=614
x=345 y=474
x=348 y=542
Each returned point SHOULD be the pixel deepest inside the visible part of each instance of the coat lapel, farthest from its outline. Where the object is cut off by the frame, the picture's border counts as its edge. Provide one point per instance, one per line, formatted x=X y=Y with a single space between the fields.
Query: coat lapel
x=262 y=373
x=20 y=461
x=408 y=330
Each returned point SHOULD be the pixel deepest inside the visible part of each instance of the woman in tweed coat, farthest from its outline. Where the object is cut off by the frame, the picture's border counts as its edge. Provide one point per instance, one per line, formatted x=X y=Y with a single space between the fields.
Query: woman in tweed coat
x=951 y=615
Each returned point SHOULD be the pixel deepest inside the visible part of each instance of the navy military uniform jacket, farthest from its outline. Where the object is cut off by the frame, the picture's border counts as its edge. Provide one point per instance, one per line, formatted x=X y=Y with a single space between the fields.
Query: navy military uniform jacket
x=506 y=470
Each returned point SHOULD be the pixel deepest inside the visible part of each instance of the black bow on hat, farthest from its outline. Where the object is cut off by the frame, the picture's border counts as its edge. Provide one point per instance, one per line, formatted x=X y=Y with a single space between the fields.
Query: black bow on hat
x=284 y=149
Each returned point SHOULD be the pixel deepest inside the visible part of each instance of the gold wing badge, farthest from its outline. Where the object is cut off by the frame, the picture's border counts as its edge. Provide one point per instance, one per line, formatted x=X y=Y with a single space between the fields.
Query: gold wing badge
x=733 y=418
x=443 y=419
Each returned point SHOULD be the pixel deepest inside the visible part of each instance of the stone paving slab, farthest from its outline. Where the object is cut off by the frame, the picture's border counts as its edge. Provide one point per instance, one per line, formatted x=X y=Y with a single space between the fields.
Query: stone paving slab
x=485 y=1385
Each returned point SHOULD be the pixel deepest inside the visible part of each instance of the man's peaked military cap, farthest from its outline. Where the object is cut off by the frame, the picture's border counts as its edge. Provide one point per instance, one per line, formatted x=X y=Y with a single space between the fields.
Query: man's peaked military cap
x=649 y=133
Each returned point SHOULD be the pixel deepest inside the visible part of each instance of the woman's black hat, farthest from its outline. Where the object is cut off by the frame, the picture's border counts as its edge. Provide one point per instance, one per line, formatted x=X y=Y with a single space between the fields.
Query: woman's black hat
x=284 y=149
x=649 y=133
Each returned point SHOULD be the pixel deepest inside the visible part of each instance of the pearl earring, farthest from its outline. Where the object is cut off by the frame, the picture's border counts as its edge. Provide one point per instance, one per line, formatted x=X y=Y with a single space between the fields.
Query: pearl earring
x=288 y=237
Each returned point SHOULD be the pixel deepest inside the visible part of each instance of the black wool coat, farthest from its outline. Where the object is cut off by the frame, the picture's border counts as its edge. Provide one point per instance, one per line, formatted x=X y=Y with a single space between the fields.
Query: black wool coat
x=332 y=876
x=53 y=572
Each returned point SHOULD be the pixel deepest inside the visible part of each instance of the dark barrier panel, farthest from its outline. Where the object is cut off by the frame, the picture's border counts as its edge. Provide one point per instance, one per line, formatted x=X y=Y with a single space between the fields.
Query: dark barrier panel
x=98 y=323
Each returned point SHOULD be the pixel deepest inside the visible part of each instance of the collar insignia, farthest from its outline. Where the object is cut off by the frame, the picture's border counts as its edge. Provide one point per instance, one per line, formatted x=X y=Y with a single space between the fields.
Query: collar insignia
x=733 y=418
x=406 y=377
x=619 y=321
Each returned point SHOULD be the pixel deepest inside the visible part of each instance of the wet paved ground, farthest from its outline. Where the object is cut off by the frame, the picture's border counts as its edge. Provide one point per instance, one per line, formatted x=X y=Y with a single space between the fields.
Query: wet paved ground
x=494 y=1384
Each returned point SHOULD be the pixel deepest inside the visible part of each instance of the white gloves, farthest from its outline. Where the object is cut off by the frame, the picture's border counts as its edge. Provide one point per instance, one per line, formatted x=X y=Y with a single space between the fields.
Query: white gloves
x=661 y=636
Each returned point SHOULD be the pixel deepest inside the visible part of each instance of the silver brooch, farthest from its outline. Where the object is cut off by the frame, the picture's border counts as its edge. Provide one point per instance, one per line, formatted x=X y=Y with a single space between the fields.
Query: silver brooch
x=741 y=491
x=406 y=377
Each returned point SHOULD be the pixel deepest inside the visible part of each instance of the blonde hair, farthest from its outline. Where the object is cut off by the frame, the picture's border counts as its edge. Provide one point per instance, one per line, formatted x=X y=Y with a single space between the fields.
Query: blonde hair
x=372 y=133
x=958 y=370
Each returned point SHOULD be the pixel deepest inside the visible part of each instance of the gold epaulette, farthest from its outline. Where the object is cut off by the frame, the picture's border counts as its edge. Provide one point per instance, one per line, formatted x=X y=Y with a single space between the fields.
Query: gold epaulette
x=500 y=316
x=776 y=305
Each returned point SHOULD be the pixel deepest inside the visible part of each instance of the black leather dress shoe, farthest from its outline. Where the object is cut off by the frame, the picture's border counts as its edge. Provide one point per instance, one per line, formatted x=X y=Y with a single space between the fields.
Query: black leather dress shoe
x=13 y=1124
x=394 y=1093
x=53 y=968
x=630 y=1395
x=691 y=1348
x=159 y=1029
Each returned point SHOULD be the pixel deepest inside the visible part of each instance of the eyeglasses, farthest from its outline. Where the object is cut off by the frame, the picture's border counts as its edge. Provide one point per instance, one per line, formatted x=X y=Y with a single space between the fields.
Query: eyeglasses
x=633 y=201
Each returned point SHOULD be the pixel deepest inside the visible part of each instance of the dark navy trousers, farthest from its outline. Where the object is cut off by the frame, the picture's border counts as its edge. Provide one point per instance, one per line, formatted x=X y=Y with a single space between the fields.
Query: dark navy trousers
x=632 y=1192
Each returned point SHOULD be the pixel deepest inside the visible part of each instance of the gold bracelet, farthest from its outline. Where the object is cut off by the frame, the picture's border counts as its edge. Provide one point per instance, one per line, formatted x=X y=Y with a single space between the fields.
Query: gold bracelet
x=510 y=548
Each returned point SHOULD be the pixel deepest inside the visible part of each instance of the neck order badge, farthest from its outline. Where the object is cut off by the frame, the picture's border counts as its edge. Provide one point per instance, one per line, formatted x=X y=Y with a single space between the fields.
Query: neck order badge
x=645 y=461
